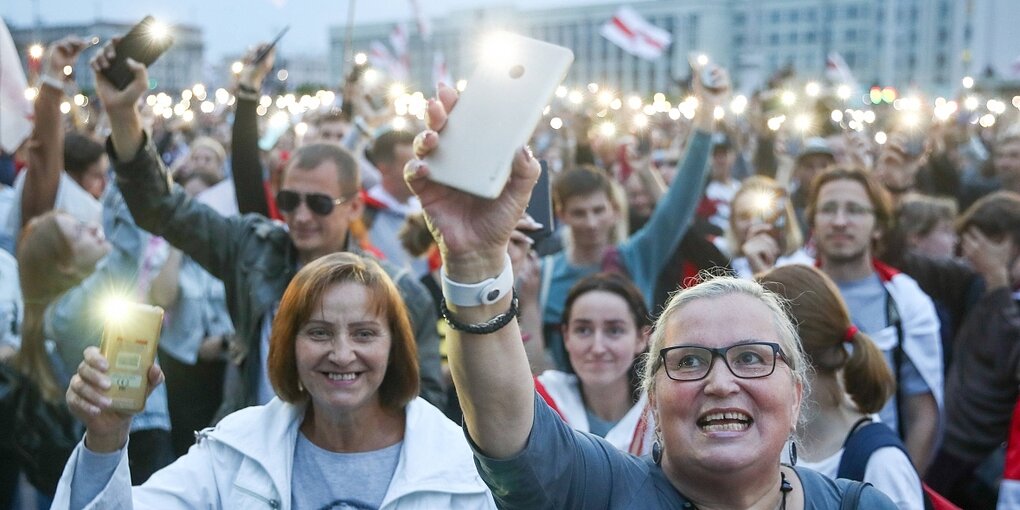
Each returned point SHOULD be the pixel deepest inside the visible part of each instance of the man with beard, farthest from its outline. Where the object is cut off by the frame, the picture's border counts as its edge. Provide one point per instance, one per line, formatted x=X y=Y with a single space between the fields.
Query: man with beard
x=849 y=211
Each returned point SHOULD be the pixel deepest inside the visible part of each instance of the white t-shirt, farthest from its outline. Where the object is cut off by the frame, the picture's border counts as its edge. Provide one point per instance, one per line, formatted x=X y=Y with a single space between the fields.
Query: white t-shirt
x=71 y=198
x=888 y=469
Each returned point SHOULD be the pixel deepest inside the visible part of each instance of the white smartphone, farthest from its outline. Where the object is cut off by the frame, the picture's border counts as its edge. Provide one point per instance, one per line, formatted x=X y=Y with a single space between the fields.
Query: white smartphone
x=129 y=344
x=497 y=113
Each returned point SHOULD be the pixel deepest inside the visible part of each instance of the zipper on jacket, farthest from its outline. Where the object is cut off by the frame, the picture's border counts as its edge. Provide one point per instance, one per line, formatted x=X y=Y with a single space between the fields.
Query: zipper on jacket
x=274 y=504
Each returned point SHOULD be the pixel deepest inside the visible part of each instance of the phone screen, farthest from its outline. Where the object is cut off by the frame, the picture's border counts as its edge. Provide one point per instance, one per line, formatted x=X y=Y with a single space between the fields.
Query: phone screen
x=144 y=44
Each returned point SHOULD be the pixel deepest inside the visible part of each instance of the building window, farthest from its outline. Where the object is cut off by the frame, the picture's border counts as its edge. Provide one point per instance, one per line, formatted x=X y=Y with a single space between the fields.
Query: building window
x=793 y=16
x=774 y=39
x=810 y=37
x=852 y=12
x=774 y=17
x=791 y=38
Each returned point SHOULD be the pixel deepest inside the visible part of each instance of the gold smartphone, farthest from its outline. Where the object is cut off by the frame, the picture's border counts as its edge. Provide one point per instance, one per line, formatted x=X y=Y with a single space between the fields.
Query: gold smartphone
x=129 y=342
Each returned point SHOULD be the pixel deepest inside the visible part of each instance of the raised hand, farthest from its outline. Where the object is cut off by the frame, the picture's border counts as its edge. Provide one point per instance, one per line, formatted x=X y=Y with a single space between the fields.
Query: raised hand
x=114 y=99
x=253 y=73
x=106 y=429
x=61 y=54
x=472 y=233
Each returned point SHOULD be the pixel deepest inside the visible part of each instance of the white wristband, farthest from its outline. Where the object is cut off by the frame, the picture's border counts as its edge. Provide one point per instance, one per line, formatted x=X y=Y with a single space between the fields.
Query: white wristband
x=46 y=79
x=484 y=292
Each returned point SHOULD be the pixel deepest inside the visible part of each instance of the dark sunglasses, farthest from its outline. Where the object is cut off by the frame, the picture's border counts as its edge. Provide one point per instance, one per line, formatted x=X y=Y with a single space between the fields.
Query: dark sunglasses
x=318 y=203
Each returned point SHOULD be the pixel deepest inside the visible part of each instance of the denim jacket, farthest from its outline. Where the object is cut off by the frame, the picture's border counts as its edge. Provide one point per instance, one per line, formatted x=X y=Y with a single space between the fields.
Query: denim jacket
x=74 y=321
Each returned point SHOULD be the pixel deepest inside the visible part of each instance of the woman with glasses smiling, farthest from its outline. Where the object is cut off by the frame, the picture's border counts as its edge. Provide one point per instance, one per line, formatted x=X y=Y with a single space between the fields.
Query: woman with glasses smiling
x=725 y=379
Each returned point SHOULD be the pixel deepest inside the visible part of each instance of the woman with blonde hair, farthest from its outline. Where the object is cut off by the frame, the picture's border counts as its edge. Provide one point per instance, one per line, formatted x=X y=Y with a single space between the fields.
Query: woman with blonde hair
x=850 y=383
x=764 y=232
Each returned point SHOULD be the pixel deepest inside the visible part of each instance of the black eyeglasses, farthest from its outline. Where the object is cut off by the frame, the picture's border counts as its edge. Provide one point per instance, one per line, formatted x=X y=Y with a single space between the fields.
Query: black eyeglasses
x=318 y=203
x=749 y=360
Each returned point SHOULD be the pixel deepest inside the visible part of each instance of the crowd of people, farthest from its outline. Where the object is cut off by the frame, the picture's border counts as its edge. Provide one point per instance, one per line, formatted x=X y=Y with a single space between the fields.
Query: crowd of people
x=341 y=331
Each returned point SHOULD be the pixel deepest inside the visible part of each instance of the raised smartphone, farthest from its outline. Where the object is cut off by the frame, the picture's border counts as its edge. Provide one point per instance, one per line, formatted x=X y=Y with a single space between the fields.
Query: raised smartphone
x=540 y=206
x=144 y=43
x=705 y=68
x=130 y=338
x=497 y=113
x=265 y=51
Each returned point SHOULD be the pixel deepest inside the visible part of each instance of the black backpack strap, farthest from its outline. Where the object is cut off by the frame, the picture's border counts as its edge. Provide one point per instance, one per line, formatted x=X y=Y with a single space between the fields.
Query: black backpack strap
x=859 y=447
x=852 y=496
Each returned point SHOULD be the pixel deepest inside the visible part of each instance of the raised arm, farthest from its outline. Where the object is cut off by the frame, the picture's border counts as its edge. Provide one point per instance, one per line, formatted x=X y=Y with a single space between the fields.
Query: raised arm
x=155 y=203
x=46 y=146
x=490 y=370
x=245 y=166
x=647 y=251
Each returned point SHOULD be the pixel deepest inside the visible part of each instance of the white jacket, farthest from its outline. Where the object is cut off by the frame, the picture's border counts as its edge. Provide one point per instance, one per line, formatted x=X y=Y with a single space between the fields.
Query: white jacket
x=634 y=433
x=246 y=462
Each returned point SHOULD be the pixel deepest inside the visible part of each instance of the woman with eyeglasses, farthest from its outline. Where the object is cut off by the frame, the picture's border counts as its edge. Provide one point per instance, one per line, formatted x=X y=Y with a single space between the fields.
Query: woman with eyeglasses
x=346 y=431
x=605 y=332
x=850 y=382
x=725 y=379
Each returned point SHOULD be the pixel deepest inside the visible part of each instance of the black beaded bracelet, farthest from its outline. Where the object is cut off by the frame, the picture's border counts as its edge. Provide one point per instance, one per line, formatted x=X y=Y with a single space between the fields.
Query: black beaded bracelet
x=490 y=326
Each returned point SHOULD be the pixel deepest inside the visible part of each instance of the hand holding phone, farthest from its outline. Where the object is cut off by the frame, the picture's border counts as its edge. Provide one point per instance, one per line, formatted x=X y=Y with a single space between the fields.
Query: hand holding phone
x=705 y=69
x=269 y=47
x=497 y=113
x=144 y=43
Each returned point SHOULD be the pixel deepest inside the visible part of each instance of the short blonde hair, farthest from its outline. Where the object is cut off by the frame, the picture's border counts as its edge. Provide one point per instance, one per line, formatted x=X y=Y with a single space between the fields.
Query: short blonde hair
x=713 y=286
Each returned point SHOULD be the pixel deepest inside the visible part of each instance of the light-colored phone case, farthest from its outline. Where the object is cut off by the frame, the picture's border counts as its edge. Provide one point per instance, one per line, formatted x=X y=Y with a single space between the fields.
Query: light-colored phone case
x=129 y=344
x=496 y=114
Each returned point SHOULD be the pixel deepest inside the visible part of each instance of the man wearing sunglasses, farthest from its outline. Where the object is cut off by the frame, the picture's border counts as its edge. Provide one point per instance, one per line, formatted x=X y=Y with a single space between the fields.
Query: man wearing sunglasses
x=255 y=257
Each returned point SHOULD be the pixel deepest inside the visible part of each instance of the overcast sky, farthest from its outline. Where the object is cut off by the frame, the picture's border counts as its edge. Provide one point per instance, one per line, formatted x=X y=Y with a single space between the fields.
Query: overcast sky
x=230 y=26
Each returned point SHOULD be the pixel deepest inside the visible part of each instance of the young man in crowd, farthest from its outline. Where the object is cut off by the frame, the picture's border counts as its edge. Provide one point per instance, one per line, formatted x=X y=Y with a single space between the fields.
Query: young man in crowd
x=253 y=256
x=849 y=211
x=982 y=382
x=388 y=203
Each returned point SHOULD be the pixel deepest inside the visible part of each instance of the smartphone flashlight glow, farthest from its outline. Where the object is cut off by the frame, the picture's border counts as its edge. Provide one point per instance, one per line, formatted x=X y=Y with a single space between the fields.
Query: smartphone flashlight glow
x=159 y=30
x=497 y=48
x=764 y=203
x=113 y=309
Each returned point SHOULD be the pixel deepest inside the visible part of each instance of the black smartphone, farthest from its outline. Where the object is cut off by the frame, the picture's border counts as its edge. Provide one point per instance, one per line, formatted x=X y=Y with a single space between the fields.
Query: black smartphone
x=265 y=51
x=540 y=206
x=144 y=43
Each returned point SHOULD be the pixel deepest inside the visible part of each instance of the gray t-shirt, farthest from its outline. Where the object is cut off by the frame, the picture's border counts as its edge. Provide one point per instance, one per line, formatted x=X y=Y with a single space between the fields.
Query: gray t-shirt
x=563 y=468
x=328 y=480
x=868 y=303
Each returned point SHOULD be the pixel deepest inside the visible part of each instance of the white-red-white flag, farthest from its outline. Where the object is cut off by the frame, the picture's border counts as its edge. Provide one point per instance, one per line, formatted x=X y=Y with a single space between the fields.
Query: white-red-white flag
x=15 y=109
x=424 y=25
x=440 y=73
x=383 y=59
x=401 y=68
x=635 y=35
x=837 y=70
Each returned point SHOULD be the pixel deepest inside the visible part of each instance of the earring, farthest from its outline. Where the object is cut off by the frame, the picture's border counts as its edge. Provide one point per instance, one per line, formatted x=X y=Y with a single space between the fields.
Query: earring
x=793 y=451
x=657 y=452
x=300 y=387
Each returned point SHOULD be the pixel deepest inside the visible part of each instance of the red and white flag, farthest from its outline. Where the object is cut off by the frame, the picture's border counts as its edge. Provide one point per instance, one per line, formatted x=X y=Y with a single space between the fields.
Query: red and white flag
x=837 y=71
x=383 y=59
x=15 y=109
x=401 y=68
x=635 y=35
x=440 y=73
x=424 y=25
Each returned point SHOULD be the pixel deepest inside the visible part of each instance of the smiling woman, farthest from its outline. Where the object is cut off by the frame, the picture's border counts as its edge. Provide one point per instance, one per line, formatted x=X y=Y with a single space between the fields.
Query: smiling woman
x=346 y=431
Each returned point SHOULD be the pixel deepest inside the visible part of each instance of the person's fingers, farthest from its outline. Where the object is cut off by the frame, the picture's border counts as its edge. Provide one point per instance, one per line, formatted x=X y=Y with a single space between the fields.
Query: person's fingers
x=89 y=392
x=76 y=403
x=447 y=96
x=415 y=174
x=95 y=358
x=93 y=376
x=435 y=115
x=424 y=143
